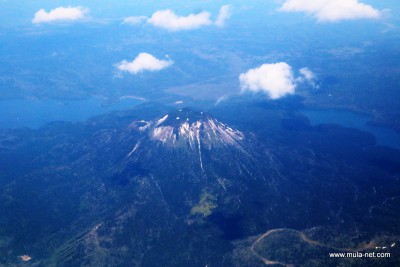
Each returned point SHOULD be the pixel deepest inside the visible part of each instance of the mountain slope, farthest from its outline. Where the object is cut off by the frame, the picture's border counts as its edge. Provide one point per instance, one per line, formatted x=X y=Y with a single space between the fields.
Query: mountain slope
x=162 y=187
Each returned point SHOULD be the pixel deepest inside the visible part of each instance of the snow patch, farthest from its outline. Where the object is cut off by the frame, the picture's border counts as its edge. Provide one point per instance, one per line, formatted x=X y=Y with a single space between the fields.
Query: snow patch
x=162 y=120
x=134 y=149
x=206 y=132
x=25 y=258
x=163 y=133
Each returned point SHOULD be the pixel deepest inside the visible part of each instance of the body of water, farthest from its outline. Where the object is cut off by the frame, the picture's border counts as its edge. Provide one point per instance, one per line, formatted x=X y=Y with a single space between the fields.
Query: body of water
x=34 y=113
x=384 y=136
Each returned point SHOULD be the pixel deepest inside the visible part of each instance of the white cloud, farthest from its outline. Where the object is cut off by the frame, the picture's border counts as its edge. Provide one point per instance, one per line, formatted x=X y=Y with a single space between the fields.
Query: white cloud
x=144 y=62
x=307 y=76
x=224 y=14
x=60 y=14
x=134 y=20
x=167 y=19
x=332 y=10
x=276 y=80
x=221 y=99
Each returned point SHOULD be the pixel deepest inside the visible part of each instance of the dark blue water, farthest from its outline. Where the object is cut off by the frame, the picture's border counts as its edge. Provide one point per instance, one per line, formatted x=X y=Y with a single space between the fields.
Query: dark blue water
x=34 y=113
x=384 y=136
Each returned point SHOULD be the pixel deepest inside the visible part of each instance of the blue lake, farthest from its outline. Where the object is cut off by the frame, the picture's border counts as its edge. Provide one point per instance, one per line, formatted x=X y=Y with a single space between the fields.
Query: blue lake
x=34 y=113
x=384 y=136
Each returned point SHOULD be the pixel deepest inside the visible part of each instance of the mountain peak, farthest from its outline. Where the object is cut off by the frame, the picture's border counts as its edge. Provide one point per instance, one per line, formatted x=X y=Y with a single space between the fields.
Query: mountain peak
x=180 y=116
x=189 y=127
x=188 y=134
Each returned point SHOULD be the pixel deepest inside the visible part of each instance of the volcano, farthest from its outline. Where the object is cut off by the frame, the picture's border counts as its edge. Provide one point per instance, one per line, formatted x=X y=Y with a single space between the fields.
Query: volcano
x=159 y=186
x=188 y=138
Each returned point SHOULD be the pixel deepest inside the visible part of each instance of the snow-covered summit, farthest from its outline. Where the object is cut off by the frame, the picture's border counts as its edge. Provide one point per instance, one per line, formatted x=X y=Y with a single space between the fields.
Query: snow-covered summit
x=185 y=126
